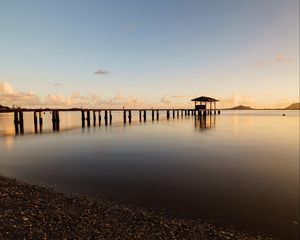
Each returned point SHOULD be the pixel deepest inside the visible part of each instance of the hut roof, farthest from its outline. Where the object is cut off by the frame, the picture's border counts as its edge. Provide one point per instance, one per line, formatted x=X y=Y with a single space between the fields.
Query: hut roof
x=204 y=99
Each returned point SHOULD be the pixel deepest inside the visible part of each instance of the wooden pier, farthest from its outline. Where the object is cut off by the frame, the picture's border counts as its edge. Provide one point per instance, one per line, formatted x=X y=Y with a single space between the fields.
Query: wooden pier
x=97 y=115
x=200 y=109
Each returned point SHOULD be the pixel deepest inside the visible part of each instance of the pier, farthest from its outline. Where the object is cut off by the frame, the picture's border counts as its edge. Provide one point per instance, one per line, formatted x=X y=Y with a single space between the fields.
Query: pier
x=149 y=114
x=107 y=113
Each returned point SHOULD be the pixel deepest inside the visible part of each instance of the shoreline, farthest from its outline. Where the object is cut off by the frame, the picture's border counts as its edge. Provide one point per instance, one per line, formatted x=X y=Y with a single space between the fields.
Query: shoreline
x=36 y=212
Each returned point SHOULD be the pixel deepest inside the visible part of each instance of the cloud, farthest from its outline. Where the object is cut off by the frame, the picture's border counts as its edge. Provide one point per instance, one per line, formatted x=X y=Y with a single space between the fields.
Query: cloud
x=167 y=99
x=178 y=96
x=6 y=89
x=236 y=99
x=55 y=84
x=101 y=72
x=260 y=64
x=119 y=97
x=9 y=96
x=281 y=58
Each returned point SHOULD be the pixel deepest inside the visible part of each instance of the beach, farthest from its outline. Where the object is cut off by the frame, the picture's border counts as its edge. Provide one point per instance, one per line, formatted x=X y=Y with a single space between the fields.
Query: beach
x=37 y=212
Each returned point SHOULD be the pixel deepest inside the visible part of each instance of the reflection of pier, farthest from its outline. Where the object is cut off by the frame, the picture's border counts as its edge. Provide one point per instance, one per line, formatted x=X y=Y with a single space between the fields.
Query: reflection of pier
x=97 y=115
x=205 y=122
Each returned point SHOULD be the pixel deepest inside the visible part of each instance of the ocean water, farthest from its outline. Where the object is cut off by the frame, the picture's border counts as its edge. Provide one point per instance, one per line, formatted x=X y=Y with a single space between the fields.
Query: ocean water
x=240 y=168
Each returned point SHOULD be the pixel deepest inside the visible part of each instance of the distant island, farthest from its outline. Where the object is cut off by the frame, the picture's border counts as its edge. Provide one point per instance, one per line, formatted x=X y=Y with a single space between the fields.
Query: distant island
x=293 y=106
x=240 y=107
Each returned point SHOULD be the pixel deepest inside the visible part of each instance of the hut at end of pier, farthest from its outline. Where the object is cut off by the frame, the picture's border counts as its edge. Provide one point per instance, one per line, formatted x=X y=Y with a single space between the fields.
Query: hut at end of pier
x=202 y=102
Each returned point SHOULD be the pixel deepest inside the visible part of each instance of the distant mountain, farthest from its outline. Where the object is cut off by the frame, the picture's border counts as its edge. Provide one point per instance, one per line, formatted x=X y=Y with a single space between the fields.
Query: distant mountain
x=3 y=107
x=241 y=107
x=293 y=106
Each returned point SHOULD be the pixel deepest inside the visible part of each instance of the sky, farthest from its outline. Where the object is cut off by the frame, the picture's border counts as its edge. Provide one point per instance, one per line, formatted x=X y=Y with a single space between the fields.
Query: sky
x=155 y=53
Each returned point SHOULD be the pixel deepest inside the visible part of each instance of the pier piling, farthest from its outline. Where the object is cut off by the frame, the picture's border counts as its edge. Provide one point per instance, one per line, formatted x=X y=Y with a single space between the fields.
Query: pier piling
x=94 y=118
x=105 y=117
x=129 y=116
x=99 y=118
x=88 y=118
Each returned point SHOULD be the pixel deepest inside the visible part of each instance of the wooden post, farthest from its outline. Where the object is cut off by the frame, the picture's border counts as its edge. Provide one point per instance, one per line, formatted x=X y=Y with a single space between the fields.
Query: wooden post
x=168 y=114
x=82 y=119
x=124 y=116
x=110 y=117
x=140 y=115
x=21 y=122
x=144 y=115
x=152 y=115
x=40 y=118
x=35 y=121
x=16 y=122
x=219 y=112
x=55 y=119
x=94 y=118
x=99 y=118
x=88 y=118
x=157 y=115
x=177 y=113
x=105 y=117
x=129 y=116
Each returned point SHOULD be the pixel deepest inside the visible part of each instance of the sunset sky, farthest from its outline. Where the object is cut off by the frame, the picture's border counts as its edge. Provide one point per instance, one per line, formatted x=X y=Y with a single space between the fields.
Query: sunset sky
x=148 y=53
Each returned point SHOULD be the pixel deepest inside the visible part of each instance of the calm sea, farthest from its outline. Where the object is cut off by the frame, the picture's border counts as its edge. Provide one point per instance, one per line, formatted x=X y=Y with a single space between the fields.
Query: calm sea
x=240 y=168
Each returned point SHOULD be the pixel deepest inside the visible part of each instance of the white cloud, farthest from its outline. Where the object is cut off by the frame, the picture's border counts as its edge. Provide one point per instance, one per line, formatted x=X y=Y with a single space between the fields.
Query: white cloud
x=9 y=96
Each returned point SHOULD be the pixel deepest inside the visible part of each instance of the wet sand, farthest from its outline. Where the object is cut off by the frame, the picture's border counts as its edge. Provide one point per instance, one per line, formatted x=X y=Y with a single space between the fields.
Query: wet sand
x=36 y=212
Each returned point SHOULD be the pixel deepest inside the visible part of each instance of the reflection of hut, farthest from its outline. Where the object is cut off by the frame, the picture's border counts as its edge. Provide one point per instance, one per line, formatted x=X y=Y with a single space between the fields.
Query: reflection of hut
x=204 y=123
x=202 y=102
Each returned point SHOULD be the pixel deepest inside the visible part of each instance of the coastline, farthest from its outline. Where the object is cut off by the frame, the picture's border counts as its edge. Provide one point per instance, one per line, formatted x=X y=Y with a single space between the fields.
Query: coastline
x=36 y=212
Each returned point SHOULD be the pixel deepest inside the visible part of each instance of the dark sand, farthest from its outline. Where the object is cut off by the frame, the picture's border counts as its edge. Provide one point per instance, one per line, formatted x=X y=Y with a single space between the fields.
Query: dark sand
x=35 y=212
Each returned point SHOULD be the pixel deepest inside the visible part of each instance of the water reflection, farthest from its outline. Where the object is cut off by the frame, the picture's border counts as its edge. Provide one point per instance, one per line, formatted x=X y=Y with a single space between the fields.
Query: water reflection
x=205 y=122
x=243 y=171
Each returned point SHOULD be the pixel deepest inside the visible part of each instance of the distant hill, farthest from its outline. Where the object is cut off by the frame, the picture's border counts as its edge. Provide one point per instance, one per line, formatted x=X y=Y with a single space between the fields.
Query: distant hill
x=241 y=107
x=293 y=106
x=3 y=107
